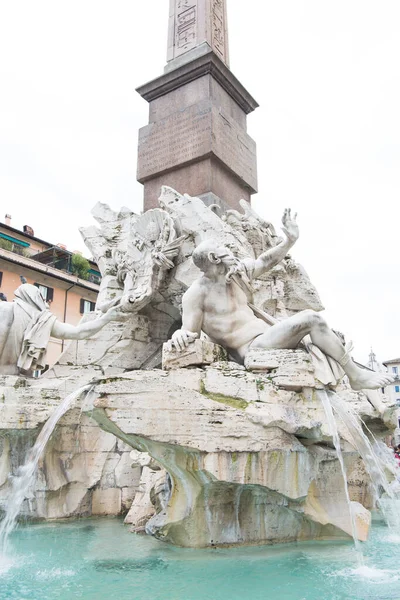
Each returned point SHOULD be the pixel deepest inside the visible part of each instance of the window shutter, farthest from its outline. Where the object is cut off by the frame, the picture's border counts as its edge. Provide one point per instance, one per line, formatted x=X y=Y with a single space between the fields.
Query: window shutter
x=50 y=294
x=82 y=306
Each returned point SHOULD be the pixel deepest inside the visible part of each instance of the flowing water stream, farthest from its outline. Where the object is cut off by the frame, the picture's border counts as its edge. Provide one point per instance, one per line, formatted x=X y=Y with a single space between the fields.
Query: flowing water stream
x=336 y=441
x=23 y=481
x=386 y=493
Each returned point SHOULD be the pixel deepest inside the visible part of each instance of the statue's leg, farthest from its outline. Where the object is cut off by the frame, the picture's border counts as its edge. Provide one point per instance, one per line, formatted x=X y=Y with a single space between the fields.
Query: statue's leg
x=288 y=334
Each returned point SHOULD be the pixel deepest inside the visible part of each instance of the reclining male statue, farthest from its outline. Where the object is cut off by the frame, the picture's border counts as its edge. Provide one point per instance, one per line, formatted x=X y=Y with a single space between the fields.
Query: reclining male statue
x=217 y=304
x=27 y=324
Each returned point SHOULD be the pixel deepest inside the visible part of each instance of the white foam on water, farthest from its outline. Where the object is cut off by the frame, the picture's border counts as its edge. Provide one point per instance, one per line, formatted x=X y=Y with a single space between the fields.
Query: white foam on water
x=6 y=563
x=393 y=538
x=372 y=574
x=55 y=573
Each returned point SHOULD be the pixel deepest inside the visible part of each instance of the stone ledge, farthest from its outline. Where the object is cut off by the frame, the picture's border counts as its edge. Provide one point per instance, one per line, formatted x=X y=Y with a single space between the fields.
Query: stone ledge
x=205 y=64
x=289 y=369
x=199 y=352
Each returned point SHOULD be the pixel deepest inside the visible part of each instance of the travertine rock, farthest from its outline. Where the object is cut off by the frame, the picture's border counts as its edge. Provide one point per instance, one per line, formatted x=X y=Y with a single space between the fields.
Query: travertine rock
x=222 y=455
x=79 y=459
x=248 y=459
x=289 y=369
x=106 y=501
x=198 y=353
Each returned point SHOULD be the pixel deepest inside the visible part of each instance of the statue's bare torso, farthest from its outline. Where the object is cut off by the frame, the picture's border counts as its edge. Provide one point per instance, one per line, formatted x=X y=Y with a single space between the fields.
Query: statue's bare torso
x=227 y=318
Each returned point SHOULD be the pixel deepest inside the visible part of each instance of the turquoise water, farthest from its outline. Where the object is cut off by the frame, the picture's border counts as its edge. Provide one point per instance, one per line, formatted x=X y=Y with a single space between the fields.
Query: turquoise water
x=99 y=559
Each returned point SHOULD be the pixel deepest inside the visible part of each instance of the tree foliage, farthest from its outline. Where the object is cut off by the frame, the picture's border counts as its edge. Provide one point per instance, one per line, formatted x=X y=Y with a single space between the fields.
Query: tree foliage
x=80 y=266
x=6 y=245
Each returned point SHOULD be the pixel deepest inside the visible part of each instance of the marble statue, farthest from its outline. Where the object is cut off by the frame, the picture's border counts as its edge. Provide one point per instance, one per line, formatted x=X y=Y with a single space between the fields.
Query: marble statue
x=133 y=253
x=26 y=325
x=217 y=303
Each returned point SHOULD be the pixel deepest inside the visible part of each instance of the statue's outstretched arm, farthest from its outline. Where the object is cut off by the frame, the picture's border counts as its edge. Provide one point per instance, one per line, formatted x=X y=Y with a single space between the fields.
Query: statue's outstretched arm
x=65 y=331
x=266 y=261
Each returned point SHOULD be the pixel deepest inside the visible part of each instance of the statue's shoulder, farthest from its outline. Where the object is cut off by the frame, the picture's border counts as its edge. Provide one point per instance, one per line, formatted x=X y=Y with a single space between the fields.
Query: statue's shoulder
x=6 y=312
x=6 y=308
x=196 y=289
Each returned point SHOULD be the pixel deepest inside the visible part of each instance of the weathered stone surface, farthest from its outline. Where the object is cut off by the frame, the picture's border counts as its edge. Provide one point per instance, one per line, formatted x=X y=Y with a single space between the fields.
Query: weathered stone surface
x=200 y=352
x=227 y=434
x=106 y=501
x=78 y=459
x=289 y=369
x=4 y=460
x=142 y=509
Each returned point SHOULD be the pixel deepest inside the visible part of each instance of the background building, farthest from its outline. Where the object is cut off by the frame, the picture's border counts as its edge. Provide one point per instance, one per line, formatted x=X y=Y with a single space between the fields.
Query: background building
x=67 y=281
x=393 y=390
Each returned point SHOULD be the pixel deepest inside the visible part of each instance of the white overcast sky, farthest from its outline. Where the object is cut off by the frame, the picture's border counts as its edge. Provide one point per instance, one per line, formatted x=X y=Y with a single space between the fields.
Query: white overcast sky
x=326 y=76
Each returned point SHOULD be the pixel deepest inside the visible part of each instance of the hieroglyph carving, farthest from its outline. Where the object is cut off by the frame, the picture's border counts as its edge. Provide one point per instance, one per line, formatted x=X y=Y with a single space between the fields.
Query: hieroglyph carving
x=218 y=29
x=194 y=22
x=186 y=25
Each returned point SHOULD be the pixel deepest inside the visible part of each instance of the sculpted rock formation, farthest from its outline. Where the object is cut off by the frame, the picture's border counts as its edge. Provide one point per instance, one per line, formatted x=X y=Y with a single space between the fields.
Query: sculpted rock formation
x=224 y=453
x=249 y=454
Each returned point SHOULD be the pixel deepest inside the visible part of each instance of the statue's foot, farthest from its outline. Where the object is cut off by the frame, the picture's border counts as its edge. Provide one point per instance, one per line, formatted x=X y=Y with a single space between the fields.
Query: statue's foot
x=369 y=380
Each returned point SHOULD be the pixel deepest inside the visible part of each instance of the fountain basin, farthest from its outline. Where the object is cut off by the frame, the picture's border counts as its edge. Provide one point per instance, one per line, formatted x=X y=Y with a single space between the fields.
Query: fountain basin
x=99 y=558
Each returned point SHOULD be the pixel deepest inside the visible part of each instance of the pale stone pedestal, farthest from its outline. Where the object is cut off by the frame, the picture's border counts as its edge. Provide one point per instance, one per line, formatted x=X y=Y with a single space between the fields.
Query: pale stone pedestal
x=198 y=353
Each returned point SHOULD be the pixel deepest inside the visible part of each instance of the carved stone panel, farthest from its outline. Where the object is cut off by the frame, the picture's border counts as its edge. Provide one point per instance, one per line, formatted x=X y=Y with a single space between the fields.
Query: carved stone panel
x=234 y=147
x=219 y=29
x=186 y=21
x=193 y=22
x=197 y=132
x=178 y=139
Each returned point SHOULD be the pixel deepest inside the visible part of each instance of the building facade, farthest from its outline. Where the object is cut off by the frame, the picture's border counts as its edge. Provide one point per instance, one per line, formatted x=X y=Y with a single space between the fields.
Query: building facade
x=393 y=390
x=27 y=258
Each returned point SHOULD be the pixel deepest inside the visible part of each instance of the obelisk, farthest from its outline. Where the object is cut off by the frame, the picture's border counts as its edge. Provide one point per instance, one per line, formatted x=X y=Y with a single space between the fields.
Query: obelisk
x=196 y=140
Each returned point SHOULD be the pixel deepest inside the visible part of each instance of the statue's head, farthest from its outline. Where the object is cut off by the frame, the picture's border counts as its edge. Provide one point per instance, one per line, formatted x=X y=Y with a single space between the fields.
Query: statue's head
x=210 y=253
x=31 y=295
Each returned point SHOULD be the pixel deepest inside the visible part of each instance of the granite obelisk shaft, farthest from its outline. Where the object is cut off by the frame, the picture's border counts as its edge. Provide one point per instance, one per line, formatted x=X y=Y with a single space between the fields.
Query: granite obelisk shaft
x=196 y=140
x=194 y=23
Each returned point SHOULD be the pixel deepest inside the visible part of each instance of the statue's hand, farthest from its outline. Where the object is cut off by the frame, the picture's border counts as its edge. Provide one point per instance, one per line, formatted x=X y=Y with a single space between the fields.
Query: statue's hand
x=237 y=268
x=181 y=339
x=290 y=227
x=115 y=313
x=136 y=302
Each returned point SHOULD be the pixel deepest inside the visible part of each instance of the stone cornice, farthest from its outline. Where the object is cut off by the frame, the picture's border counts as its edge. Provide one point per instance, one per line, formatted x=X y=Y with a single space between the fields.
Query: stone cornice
x=207 y=64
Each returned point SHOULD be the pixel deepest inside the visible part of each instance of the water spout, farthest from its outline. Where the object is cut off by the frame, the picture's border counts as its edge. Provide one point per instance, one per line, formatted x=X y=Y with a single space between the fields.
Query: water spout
x=25 y=477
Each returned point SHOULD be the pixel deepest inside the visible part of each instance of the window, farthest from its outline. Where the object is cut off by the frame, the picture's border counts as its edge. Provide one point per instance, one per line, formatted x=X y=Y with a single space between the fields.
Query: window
x=395 y=370
x=397 y=389
x=47 y=292
x=86 y=306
